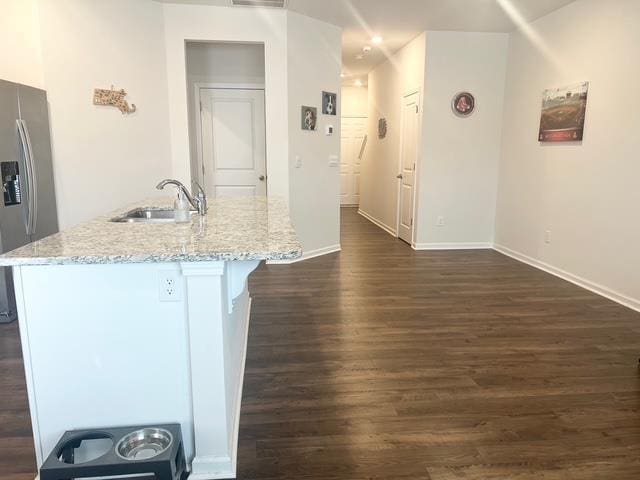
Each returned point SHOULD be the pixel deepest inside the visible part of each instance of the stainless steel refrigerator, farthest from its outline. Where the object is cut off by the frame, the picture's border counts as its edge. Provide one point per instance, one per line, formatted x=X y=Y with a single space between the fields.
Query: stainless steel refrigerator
x=28 y=206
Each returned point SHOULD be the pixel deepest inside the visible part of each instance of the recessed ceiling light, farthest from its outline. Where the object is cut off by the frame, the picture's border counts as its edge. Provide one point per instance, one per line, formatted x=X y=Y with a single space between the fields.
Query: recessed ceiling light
x=358 y=83
x=359 y=57
x=377 y=39
x=366 y=49
x=342 y=75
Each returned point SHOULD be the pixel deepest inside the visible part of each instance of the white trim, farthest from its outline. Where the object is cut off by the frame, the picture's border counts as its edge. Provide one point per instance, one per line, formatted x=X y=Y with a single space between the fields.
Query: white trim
x=202 y=269
x=307 y=255
x=229 y=86
x=378 y=223
x=221 y=469
x=452 y=246
x=617 y=297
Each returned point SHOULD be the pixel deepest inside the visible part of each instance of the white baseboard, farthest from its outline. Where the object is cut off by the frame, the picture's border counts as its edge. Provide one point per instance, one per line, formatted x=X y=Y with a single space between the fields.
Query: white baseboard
x=617 y=297
x=307 y=255
x=377 y=222
x=452 y=246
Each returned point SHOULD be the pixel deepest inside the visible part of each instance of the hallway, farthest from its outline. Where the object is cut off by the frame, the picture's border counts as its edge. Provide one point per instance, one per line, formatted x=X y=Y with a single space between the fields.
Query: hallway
x=384 y=363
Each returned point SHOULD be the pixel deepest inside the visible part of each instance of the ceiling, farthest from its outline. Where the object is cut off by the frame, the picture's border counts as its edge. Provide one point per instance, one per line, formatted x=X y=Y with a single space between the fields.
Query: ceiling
x=400 y=21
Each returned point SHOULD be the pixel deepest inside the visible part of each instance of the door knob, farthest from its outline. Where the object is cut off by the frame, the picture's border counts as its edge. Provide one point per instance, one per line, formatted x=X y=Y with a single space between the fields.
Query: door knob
x=399 y=176
x=261 y=178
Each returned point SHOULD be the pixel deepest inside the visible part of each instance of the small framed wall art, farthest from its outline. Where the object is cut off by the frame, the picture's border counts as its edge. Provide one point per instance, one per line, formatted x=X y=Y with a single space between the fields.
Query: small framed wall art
x=309 y=118
x=463 y=104
x=382 y=128
x=329 y=103
x=563 y=113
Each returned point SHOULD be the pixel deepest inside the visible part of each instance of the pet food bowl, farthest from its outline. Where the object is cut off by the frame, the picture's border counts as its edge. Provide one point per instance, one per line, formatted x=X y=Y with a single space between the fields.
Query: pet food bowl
x=144 y=444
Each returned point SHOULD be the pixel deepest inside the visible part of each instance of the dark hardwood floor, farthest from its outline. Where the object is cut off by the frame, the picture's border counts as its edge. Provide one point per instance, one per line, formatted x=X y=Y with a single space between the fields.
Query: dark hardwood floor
x=384 y=363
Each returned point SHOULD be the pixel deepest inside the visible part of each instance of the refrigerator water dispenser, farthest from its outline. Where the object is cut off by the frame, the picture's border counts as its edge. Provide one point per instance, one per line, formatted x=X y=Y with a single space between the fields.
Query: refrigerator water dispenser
x=10 y=174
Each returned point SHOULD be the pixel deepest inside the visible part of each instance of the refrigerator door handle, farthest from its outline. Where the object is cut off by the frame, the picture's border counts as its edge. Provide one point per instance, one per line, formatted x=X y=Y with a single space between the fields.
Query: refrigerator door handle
x=30 y=167
x=34 y=180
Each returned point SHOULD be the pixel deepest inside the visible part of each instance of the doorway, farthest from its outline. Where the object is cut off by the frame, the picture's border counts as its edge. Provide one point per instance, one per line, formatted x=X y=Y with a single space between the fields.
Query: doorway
x=408 y=161
x=353 y=143
x=227 y=125
x=233 y=143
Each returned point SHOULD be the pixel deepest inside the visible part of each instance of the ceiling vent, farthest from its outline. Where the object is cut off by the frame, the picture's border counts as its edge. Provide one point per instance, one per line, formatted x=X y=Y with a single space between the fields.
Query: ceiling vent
x=260 y=3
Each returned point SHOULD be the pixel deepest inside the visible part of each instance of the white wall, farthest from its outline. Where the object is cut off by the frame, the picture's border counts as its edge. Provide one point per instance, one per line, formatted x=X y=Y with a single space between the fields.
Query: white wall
x=355 y=101
x=585 y=193
x=220 y=63
x=388 y=83
x=222 y=24
x=458 y=173
x=20 y=53
x=314 y=64
x=104 y=159
x=225 y=62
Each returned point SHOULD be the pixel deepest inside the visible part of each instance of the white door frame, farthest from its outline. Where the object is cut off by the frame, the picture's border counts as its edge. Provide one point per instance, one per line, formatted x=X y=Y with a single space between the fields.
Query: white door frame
x=408 y=93
x=198 y=87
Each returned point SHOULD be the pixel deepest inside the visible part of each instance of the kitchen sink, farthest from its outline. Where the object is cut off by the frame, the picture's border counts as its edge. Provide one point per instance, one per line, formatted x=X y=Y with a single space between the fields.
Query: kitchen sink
x=147 y=215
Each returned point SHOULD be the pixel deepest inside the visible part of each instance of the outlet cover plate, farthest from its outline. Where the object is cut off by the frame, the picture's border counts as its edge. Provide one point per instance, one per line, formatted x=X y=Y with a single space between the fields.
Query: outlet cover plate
x=170 y=286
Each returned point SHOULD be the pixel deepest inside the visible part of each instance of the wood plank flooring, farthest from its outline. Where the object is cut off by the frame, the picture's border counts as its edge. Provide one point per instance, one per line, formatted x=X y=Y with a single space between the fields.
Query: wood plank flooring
x=384 y=363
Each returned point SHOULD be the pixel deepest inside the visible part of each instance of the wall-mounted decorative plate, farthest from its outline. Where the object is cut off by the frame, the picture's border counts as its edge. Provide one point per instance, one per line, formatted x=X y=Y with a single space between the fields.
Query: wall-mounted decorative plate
x=463 y=104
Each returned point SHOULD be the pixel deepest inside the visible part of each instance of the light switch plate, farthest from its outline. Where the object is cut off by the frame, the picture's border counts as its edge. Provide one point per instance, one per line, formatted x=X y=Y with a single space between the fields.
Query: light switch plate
x=333 y=160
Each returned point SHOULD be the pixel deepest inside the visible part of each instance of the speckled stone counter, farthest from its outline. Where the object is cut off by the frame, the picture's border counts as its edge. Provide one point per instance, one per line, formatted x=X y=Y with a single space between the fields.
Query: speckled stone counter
x=249 y=228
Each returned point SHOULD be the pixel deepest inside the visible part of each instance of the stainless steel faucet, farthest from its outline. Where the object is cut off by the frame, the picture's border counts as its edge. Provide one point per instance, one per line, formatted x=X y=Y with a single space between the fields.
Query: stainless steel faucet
x=199 y=202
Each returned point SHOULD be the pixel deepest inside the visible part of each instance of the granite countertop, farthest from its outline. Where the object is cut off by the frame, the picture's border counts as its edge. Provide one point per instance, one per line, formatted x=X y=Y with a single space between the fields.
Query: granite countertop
x=247 y=228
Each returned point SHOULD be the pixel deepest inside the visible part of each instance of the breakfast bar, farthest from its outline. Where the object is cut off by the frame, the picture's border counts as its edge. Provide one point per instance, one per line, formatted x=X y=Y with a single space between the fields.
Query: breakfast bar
x=132 y=318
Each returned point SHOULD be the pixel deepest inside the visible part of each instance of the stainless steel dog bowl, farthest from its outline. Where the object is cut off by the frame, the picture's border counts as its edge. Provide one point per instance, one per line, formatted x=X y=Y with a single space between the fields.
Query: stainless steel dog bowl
x=144 y=444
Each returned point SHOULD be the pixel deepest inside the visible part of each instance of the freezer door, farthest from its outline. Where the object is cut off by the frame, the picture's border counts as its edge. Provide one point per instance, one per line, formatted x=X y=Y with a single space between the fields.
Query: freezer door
x=34 y=114
x=13 y=215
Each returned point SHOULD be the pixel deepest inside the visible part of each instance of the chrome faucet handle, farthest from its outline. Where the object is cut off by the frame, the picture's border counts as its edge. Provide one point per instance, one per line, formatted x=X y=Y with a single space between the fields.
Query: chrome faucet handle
x=201 y=198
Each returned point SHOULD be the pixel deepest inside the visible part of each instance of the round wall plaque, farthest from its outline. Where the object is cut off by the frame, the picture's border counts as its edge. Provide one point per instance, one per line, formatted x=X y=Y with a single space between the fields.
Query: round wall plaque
x=463 y=104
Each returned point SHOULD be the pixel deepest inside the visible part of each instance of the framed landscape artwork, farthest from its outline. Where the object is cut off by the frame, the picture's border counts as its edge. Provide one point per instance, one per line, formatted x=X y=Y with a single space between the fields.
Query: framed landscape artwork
x=563 y=113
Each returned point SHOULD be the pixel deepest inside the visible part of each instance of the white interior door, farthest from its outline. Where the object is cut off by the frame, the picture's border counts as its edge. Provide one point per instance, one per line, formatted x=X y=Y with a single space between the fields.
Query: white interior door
x=408 y=160
x=233 y=142
x=352 y=148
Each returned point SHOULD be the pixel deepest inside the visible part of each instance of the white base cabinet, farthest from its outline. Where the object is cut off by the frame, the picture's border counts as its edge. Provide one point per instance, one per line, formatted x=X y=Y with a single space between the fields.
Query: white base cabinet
x=105 y=345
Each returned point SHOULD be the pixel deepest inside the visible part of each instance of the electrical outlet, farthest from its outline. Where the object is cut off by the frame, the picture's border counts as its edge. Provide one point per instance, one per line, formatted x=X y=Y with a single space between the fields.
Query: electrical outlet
x=169 y=286
x=441 y=222
x=547 y=236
